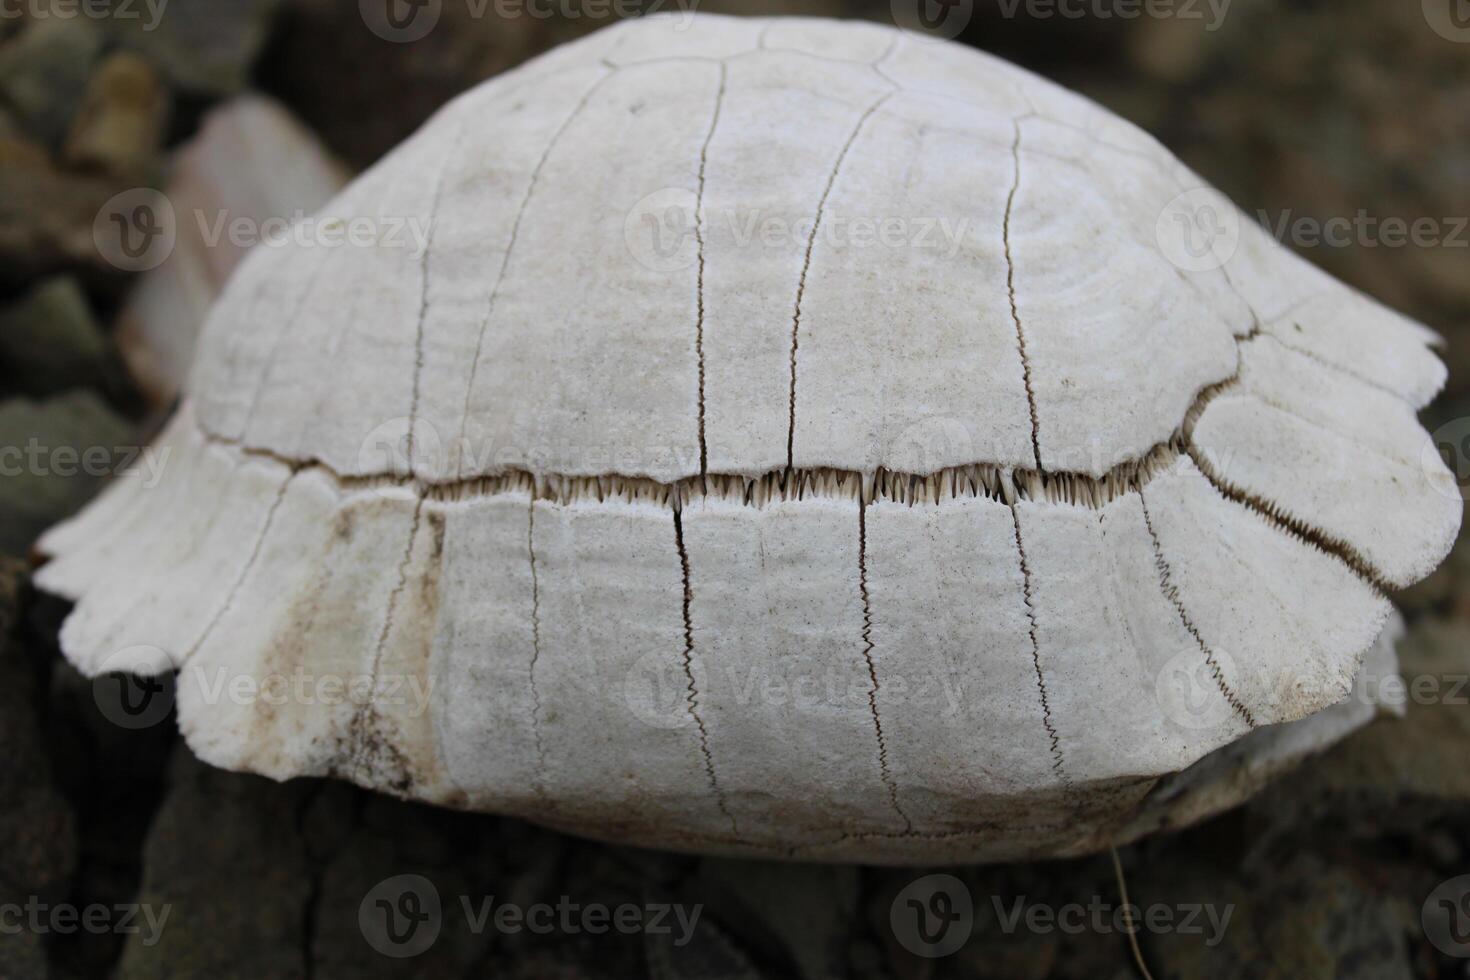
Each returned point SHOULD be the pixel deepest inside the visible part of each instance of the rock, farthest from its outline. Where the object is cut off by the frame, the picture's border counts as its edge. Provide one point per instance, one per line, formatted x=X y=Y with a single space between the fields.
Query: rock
x=715 y=957
x=43 y=73
x=113 y=775
x=54 y=455
x=798 y=912
x=36 y=822
x=395 y=87
x=120 y=126
x=9 y=129
x=49 y=340
x=47 y=217
x=1303 y=919
x=253 y=162
x=1169 y=49
x=242 y=832
x=204 y=49
x=1404 y=772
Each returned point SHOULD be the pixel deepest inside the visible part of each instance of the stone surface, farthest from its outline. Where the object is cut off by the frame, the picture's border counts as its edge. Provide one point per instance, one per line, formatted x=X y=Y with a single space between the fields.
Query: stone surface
x=44 y=71
x=204 y=49
x=248 y=830
x=50 y=341
x=57 y=453
x=120 y=126
x=36 y=821
x=47 y=217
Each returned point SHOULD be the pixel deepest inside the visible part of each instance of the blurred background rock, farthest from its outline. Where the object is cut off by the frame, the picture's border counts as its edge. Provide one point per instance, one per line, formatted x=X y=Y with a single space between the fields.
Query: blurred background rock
x=1315 y=109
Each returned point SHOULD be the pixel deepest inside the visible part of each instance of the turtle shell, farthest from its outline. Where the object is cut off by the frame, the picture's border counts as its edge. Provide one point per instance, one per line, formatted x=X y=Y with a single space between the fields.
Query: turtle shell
x=778 y=437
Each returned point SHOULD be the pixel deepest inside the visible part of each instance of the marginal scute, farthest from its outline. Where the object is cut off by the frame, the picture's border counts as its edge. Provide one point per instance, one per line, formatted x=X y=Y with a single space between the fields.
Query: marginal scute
x=654 y=500
x=484 y=704
x=1307 y=309
x=312 y=612
x=1117 y=646
x=1330 y=450
x=1285 y=623
x=781 y=680
x=181 y=566
x=620 y=744
x=952 y=648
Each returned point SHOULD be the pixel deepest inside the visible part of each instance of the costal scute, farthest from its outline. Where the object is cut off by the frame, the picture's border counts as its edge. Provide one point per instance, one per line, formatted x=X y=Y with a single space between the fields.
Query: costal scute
x=799 y=444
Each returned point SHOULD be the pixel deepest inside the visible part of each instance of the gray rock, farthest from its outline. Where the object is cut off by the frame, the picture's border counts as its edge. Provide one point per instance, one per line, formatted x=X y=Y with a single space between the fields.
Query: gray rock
x=50 y=341
x=1398 y=775
x=36 y=822
x=120 y=126
x=54 y=455
x=1306 y=919
x=113 y=776
x=44 y=71
x=802 y=912
x=203 y=48
x=227 y=859
x=47 y=216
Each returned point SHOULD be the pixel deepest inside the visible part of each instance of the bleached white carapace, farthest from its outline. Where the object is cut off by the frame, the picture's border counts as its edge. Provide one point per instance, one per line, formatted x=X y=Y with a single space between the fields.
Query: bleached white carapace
x=777 y=437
